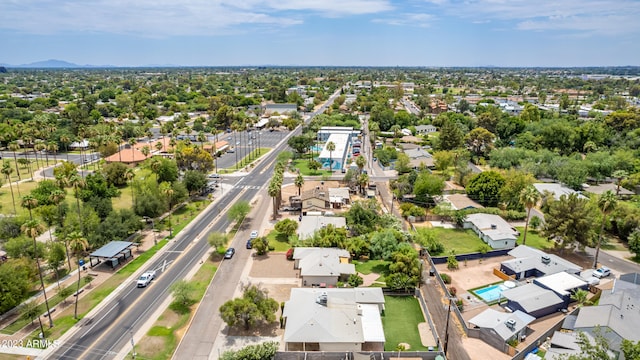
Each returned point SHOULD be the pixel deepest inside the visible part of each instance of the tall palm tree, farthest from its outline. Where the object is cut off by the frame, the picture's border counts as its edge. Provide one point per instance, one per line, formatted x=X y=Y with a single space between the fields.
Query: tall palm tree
x=32 y=228
x=52 y=147
x=299 y=181
x=37 y=148
x=331 y=147
x=129 y=174
x=6 y=171
x=155 y=165
x=363 y=182
x=65 y=140
x=529 y=197
x=78 y=244
x=168 y=192
x=77 y=182
x=273 y=191
x=361 y=162
x=132 y=142
x=202 y=138
x=606 y=203
x=57 y=197
x=13 y=146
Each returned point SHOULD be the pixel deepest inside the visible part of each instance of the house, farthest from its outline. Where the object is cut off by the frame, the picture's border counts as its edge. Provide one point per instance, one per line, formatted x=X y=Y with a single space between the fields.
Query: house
x=533 y=300
x=338 y=197
x=556 y=189
x=322 y=267
x=310 y=224
x=600 y=189
x=530 y=262
x=419 y=157
x=461 y=202
x=563 y=284
x=219 y=147
x=617 y=314
x=326 y=131
x=79 y=145
x=499 y=327
x=334 y=320
x=492 y=229
x=315 y=200
x=438 y=106
x=280 y=108
x=335 y=159
x=425 y=129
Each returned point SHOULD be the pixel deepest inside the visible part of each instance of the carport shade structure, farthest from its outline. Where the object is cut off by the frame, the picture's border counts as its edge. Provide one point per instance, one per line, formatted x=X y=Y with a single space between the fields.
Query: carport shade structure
x=109 y=251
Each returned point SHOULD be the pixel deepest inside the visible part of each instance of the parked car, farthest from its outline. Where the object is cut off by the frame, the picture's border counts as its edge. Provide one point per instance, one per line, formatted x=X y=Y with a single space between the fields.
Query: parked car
x=602 y=272
x=146 y=278
x=214 y=176
x=229 y=253
x=254 y=234
x=249 y=244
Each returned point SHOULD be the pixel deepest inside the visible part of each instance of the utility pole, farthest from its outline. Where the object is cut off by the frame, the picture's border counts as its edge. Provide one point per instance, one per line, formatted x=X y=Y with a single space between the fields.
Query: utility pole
x=446 y=331
x=133 y=346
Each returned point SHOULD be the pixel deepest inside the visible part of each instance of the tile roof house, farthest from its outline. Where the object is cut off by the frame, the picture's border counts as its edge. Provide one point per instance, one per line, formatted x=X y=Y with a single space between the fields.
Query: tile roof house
x=130 y=157
x=334 y=320
x=499 y=327
x=322 y=266
x=492 y=229
x=530 y=262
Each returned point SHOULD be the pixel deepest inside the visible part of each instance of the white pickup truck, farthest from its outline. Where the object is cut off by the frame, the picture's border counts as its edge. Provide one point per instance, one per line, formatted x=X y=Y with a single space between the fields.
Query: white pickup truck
x=146 y=278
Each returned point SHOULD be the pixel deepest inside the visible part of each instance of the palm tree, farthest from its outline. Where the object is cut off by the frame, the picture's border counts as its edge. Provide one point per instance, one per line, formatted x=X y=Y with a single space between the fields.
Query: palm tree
x=155 y=165
x=78 y=244
x=299 y=181
x=159 y=146
x=581 y=297
x=129 y=174
x=57 y=197
x=606 y=203
x=396 y=130
x=38 y=147
x=32 y=228
x=331 y=147
x=13 y=146
x=361 y=162
x=6 y=171
x=202 y=138
x=363 y=181
x=619 y=175
x=132 y=142
x=529 y=197
x=168 y=192
x=65 y=140
x=52 y=147
x=77 y=182
x=273 y=191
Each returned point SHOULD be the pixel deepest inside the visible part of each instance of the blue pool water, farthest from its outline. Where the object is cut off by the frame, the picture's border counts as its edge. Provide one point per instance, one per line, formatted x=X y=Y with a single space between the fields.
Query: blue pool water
x=316 y=148
x=490 y=293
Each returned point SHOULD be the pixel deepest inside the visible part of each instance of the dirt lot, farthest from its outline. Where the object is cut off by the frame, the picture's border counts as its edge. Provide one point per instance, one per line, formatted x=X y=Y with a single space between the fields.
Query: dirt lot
x=273 y=265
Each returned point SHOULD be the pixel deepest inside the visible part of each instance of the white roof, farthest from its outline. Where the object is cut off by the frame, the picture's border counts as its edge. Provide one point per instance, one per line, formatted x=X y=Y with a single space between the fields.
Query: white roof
x=338 y=321
x=561 y=282
x=486 y=223
x=527 y=258
x=340 y=140
x=556 y=189
x=310 y=224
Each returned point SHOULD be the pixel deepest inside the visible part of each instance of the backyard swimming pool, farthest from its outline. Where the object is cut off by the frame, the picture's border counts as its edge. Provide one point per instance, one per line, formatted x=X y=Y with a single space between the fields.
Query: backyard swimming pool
x=490 y=293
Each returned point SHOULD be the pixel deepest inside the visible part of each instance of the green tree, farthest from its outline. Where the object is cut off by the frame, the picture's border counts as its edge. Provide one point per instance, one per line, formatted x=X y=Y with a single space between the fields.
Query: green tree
x=479 y=141
x=287 y=227
x=260 y=245
x=606 y=204
x=581 y=297
x=194 y=181
x=252 y=308
x=426 y=186
x=182 y=292
x=298 y=182
x=6 y=171
x=114 y=173
x=16 y=276
x=634 y=242
x=355 y=280
x=529 y=197
x=630 y=349
x=218 y=239
x=331 y=147
x=593 y=348
x=570 y=221
x=78 y=244
x=32 y=228
x=451 y=136
x=485 y=188
x=238 y=211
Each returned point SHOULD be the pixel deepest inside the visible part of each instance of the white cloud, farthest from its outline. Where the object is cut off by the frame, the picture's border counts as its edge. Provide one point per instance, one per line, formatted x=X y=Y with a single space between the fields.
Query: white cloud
x=419 y=20
x=170 y=17
x=606 y=17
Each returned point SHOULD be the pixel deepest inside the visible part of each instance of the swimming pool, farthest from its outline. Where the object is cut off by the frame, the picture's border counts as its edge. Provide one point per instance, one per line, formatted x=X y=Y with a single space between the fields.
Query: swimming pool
x=490 y=293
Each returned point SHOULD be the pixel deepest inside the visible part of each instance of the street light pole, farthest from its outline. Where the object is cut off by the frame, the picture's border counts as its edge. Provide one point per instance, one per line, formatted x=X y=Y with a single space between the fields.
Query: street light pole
x=155 y=235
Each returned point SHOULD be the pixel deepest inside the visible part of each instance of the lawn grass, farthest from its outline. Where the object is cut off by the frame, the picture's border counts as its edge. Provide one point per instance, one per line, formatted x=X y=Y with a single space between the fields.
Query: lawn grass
x=303 y=166
x=183 y=216
x=6 y=203
x=402 y=315
x=245 y=161
x=534 y=239
x=372 y=266
x=279 y=242
x=457 y=240
x=166 y=332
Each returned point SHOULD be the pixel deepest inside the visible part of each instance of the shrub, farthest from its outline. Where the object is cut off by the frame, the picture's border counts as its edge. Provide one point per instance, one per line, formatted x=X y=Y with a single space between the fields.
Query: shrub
x=452 y=262
x=290 y=254
x=460 y=304
x=453 y=291
x=445 y=278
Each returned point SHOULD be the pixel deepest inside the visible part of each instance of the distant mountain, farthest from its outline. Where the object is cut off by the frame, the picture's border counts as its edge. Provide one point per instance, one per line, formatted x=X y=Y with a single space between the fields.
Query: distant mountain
x=52 y=63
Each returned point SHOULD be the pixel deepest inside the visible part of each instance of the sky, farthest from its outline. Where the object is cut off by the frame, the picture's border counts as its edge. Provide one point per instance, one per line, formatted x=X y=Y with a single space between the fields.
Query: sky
x=513 y=33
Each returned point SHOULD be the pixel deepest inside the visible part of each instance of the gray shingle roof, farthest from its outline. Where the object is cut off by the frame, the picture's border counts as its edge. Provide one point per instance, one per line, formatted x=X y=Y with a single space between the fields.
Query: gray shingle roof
x=532 y=297
x=496 y=320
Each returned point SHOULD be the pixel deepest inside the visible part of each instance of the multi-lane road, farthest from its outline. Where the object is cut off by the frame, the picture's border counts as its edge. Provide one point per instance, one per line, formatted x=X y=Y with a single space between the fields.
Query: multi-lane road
x=111 y=328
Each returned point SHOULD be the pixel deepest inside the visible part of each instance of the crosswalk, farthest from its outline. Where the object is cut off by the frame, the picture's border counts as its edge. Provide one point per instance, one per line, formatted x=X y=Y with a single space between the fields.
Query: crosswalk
x=249 y=187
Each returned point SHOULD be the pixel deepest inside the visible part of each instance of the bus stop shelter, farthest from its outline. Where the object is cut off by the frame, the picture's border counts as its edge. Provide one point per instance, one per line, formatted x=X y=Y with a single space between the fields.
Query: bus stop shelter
x=114 y=253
